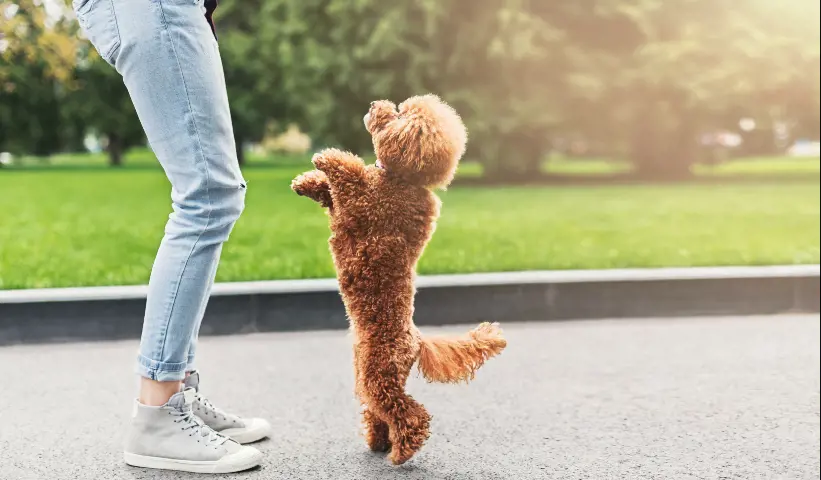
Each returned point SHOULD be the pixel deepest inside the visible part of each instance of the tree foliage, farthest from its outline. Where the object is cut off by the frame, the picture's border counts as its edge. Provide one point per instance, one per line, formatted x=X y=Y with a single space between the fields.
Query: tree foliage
x=638 y=79
x=37 y=54
x=643 y=78
x=99 y=102
x=37 y=33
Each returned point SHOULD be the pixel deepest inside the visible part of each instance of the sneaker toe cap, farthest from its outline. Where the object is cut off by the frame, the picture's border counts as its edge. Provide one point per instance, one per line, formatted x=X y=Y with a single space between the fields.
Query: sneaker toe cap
x=241 y=459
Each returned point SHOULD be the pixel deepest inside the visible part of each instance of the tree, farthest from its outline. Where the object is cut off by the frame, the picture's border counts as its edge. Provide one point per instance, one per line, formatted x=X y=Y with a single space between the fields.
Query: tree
x=256 y=92
x=55 y=85
x=38 y=33
x=101 y=104
x=36 y=63
x=30 y=120
x=335 y=57
x=696 y=65
x=515 y=69
x=645 y=77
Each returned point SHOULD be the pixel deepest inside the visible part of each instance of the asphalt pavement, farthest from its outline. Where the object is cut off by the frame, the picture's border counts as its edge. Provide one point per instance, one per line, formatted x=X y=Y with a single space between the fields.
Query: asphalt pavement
x=690 y=398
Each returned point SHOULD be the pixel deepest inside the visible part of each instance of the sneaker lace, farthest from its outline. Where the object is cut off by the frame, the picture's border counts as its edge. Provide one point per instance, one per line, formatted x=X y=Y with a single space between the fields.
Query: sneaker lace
x=206 y=404
x=190 y=422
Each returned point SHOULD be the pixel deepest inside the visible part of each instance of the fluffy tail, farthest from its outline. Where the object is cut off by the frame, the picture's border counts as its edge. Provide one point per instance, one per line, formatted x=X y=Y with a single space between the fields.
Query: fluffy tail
x=454 y=360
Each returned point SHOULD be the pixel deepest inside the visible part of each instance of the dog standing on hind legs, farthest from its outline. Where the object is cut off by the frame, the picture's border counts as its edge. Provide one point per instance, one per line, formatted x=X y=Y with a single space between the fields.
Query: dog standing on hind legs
x=381 y=218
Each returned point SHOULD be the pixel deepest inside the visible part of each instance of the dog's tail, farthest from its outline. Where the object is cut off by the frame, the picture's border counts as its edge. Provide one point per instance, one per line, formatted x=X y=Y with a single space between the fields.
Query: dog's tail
x=454 y=360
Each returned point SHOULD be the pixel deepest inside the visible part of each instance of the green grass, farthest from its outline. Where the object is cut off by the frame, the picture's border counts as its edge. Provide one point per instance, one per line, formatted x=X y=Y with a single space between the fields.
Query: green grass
x=811 y=167
x=138 y=158
x=101 y=227
x=142 y=158
x=561 y=166
x=748 y=167
x=587 y=166
x=757 y=166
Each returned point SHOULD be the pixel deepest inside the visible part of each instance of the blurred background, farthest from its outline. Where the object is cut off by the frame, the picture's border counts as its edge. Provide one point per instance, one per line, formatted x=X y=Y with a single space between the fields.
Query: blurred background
x=603 y=134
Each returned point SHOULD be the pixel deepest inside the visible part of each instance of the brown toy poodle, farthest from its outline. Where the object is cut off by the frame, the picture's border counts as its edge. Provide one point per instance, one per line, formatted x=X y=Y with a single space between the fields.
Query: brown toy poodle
x=381 y=217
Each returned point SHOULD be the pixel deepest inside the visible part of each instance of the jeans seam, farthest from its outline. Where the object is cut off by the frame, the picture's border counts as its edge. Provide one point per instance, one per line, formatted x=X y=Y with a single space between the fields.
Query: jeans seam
x=118 y=43
x=207 y=179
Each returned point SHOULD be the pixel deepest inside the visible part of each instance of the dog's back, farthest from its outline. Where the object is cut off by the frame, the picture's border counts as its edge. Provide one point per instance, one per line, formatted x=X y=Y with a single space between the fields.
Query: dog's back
x=376 y=245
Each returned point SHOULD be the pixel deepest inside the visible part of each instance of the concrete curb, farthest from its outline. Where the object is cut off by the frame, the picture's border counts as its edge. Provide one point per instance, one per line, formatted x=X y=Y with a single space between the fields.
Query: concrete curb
x=106 y=313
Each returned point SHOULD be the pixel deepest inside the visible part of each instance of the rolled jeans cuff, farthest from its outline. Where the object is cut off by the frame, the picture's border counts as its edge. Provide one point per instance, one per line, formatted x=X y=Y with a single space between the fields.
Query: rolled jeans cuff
x=160 y=371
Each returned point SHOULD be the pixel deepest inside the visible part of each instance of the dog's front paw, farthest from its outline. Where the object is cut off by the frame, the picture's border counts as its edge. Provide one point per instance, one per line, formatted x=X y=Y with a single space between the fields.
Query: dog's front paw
x=320 y=160
x=314 y=185
x=305 y=183
x=298 y=185
x=333 y=158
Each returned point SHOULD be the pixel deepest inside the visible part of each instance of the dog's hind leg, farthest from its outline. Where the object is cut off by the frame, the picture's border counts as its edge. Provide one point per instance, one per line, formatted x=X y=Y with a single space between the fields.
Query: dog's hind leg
x=376 y=429
x=376 y=432
x=383 y=386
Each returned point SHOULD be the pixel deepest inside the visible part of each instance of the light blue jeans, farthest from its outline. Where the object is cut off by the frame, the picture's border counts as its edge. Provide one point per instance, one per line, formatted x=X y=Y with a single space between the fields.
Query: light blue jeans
x=169 y=60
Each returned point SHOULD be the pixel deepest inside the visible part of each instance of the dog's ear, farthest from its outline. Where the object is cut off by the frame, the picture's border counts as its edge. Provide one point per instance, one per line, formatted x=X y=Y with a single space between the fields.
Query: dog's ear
x=423 y=143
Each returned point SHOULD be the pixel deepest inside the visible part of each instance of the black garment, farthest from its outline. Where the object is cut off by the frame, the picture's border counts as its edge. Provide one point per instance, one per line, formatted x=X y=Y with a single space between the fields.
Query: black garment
x=210 y=6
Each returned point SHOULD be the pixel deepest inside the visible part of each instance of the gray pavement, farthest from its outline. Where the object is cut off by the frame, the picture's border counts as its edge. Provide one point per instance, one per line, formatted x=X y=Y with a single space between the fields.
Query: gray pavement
x=663 y=399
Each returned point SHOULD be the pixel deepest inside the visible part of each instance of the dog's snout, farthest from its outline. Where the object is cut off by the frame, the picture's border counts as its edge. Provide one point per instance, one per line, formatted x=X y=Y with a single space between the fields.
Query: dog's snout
x=367 y=119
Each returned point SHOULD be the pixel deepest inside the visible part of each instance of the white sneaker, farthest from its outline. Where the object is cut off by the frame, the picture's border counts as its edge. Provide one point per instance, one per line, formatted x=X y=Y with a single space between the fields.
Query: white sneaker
x=241 y=430
x=171 y=437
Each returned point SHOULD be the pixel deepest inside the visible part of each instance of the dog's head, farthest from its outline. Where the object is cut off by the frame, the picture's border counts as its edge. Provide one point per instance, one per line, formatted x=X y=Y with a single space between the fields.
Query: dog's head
x=420 y=142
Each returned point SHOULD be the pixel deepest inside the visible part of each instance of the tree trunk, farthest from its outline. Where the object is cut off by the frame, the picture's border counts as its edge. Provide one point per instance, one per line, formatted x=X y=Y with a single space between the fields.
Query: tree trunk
x=115 y=150
x=520 y=158
x=663 y=148
x=684 y=151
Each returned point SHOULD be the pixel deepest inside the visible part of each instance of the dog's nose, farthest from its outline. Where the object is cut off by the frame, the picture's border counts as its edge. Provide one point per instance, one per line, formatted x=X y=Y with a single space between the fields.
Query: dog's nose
x=367 y=119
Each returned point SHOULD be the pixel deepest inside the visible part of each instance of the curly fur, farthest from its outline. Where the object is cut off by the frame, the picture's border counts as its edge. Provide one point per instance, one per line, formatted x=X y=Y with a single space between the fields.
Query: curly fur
x=381 y=218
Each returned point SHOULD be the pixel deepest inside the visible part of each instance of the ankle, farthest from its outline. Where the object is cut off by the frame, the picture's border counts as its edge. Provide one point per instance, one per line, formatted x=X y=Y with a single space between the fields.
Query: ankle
x=156 y=394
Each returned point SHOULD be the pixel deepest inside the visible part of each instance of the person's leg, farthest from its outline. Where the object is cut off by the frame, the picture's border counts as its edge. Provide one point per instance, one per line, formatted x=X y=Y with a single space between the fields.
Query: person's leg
x=168 y=58
x=176 y=81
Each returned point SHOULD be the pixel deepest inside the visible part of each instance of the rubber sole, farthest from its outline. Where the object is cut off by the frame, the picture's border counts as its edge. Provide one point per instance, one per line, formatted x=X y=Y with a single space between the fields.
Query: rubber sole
x=245 y=459
x=257 y=430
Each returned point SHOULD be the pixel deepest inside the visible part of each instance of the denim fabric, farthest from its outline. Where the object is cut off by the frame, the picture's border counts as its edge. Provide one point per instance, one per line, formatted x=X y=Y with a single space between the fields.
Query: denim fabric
x=170 y=63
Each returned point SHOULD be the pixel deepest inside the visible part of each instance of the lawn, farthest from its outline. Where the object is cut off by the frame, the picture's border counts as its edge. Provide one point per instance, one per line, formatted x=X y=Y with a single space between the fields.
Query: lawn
x=137 y=157
x=142 y=158
x=82 y=227
x=748 y=167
